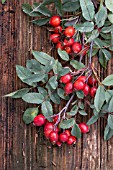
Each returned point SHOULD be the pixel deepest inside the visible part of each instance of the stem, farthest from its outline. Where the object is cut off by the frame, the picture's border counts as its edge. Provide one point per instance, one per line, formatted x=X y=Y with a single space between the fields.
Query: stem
x=96 y=75
x=91 y=48
x=64 y=109
x=81 y=57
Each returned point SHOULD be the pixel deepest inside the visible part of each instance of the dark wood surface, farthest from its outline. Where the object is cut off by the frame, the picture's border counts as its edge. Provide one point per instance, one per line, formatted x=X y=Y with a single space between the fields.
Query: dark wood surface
x=24 y=147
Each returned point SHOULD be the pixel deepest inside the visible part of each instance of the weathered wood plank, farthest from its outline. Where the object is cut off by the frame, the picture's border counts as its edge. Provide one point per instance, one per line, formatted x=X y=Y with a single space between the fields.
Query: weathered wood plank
x=21 y=146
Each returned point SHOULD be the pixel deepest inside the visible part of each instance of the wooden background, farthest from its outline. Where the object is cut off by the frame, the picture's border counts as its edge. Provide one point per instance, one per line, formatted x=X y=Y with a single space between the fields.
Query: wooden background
x=23 y=147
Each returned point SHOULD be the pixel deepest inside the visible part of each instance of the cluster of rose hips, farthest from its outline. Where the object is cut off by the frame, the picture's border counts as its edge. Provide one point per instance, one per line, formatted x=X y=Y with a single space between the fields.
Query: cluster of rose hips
x=63 y=38
x=88 y=86
x=54 y=133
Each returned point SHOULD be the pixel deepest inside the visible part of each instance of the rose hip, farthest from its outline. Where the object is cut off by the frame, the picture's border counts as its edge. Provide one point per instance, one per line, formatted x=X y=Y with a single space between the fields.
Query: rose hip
x=76 y=47
x=54 y=21
x=86 y=90
x=84 y=128
x=39 y=120
x=63 y=137
x=68 y=88
x=66 y=78
x=71 y=140
x=79 y=85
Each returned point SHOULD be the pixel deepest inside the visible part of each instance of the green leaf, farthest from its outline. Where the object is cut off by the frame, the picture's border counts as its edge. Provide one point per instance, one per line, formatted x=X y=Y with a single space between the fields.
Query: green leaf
x=18 y=93
x=110 y=108
x=49 y=66
x=27 y=9
x=110 y=92
x=35 y=78
x=54 y=97
x=108 y=81
x=110 y=17
x=102 y=59
x=61 y=94
x=76 y=131
x=99 y=98
x=29 y=115
x=85 y=27
x=110 y=121
x=73 y=111
x=71 y=6
x=81 y=105
x=107 y=54
x=82 y=112
x=42 y=91
x=57 y=67
x=47 y=110
x=101 y=16
x=109 y=5
x=95 y=34
x=76 y=64
x=92 y=120
x=47 y=2
x=63 y=54
x=65 y=124
x=23 y=73
x=107 y=96
x=100 y=43
x=42 y=57
x=41 y=9
x=35 y=98
x=53 y=82
x=107 y=29
x=58 y=6
x=33 y=65
x=41 y=21
x=87 y=9
x=96 y=113
x=111 y=47
x=3 y=1
x=104 y=109
x=108 y=133
x=80 y=94
x=64 y=71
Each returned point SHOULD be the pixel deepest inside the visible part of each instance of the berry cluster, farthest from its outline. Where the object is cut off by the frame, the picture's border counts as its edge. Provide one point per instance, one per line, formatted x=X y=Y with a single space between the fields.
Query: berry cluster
x=87 y=85
x=64 y=38
x=54 y=133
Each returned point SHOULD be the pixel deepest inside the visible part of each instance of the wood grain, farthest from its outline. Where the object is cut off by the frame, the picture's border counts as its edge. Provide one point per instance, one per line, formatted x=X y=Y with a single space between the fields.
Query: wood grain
x=24 y=147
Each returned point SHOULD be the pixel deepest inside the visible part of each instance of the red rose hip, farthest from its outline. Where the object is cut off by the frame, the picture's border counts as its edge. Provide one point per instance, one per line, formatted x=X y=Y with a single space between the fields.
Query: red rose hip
x=59 y=143
x=68 y=88
x=55 y=21
x=68 y=49
x=39 y=120
x=93 y=91
x=69 y=31
x=67 y=131
x=48 y=128
x=54 y=38
x=69 y=42
x=53 y=136
x=58 y=29
x=55 y=119
x=79 y=85
x=82 y=78
x=84 y=128
x=92 y=81
x=76 y=47
x=71 y=140
x=59 y=45
x=86 y=90
x=66 y=78
x=63 y=137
